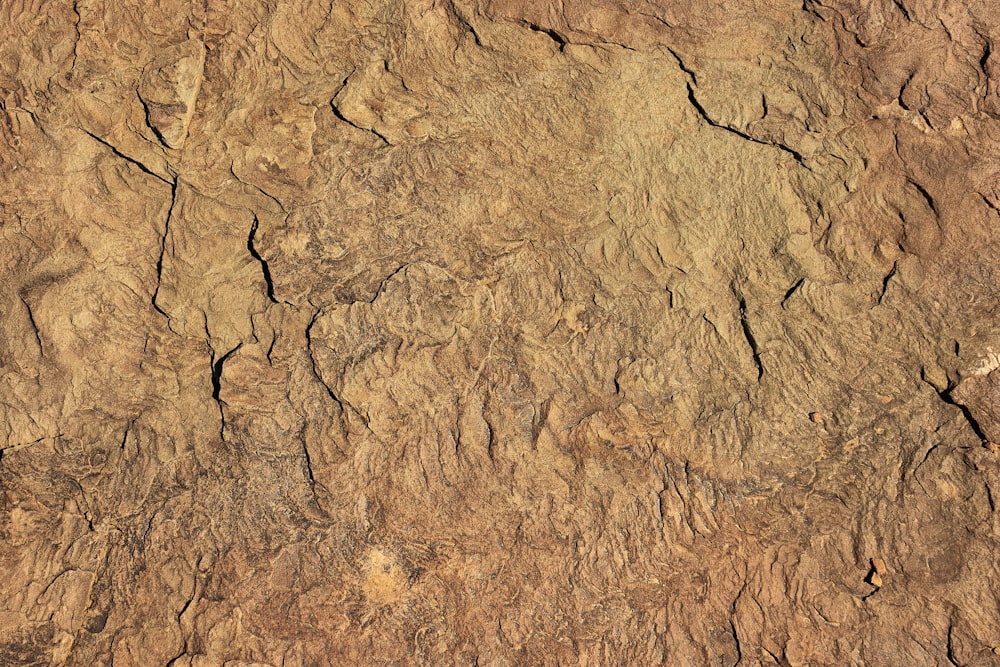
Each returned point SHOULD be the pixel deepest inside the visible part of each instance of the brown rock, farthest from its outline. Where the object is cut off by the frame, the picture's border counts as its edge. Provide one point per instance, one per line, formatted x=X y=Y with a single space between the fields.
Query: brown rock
x=506 y=333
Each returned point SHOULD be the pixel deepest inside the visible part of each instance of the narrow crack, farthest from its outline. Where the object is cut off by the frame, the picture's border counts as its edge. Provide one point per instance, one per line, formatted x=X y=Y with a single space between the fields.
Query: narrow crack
x=886 y=279
x=945 y=395
x=173 y=661
x=309 y=468
x=149 y=121
x=993 y=207
x=468 y=26
x=312 y=359
x=76 y=28
x=809 y=8
x=463 y=20
x=341 y=117
x=926 y=195
x=131 y=160
x=490 y=439
x=270 y=348
x=899 y=96
x=342 y=404
x=684 y=68
x=736 y=638
x=743 y=135
x=34 y=325
x=657 y=19
x=385 y=281
x=927 y=455
x=232 y=172
x=180 y=614
x=774 y=658
x=693 y=99
x=264 y=268
x=128 y=430
x=22 y=445
x=315 y=371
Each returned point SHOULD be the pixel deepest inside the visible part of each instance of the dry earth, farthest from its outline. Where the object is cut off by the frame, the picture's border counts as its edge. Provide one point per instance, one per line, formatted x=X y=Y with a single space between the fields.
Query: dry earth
x=499 y=332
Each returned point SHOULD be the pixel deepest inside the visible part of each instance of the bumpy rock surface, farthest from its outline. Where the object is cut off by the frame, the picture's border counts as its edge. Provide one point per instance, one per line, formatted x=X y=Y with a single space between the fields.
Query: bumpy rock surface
x=500 y=332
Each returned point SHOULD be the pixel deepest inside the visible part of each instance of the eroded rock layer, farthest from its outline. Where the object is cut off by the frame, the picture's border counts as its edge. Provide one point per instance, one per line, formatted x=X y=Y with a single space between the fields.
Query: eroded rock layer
x=499 y=332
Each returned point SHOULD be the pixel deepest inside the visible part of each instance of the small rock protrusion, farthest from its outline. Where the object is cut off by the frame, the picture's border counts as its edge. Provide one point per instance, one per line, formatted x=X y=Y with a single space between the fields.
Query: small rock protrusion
x=877 y=571
x=169 y=90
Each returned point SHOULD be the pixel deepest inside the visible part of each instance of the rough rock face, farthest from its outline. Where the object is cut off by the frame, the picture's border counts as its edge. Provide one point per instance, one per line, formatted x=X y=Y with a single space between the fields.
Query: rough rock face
x=500 y=332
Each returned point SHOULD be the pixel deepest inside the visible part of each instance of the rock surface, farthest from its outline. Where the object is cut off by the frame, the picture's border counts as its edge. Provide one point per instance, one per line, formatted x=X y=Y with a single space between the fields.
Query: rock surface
x=500 y=332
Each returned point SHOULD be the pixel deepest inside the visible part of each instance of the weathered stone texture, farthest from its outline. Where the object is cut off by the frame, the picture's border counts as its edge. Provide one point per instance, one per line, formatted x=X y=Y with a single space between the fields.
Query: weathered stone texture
x=499 y=332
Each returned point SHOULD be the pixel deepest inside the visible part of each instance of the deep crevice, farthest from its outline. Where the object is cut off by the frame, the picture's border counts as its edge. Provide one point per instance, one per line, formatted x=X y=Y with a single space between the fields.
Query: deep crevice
x=217 y=365
x=550 y=33
x=926 y=195
x=217 y=373
x=751 y=341
x=986 y=200
x=264 y=268
x=900 y=102
x=163 y=249
x=684 y=68
x=792 y=290
x=950 y=647
x=902 y=9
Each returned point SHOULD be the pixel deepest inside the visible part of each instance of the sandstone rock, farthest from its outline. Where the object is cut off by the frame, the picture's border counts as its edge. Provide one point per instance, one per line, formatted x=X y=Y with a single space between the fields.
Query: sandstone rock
x=499 y=333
